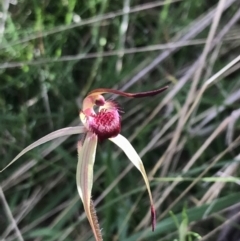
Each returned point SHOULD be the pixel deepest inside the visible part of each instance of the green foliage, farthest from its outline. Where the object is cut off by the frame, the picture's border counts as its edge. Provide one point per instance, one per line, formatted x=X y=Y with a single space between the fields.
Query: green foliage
x=184 y=234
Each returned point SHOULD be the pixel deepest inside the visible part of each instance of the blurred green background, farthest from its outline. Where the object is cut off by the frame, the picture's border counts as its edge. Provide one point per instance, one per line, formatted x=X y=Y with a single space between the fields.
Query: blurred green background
x=52 y=53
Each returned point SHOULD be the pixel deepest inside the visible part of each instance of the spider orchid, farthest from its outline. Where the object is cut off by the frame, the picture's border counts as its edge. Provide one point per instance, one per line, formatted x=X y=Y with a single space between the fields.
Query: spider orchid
x=101 y=125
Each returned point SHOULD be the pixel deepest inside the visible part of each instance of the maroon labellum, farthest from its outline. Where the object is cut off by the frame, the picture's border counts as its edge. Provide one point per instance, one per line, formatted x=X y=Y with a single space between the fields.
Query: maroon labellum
x=105 y=124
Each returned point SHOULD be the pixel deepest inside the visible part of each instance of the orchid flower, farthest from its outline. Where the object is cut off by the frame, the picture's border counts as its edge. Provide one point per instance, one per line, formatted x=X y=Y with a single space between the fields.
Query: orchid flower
x=98 y=126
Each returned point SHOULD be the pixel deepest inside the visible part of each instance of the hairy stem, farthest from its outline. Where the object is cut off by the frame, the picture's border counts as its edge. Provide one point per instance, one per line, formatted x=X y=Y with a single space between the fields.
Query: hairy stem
x=96 y=226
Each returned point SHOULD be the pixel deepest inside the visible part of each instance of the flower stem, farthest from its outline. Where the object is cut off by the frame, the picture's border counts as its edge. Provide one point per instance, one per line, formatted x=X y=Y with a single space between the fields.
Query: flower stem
x=96 y=226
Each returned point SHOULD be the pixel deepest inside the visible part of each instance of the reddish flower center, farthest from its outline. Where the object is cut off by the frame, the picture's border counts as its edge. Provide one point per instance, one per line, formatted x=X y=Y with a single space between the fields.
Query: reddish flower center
x=105 y=124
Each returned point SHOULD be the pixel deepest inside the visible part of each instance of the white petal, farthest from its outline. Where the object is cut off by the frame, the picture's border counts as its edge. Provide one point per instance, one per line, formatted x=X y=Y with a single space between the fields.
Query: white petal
x=128 y=149
x=59 y=133
x=84 y=176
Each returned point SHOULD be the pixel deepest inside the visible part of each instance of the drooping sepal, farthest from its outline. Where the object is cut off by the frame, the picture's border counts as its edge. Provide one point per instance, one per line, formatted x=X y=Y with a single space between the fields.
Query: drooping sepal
x=56 y=134
x=128 y=149
x=84 y=179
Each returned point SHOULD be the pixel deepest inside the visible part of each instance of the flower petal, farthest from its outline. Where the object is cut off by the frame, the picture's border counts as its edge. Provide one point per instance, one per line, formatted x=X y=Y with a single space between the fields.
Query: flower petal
x=84 y=177
x=59 y=133
x=128 y=149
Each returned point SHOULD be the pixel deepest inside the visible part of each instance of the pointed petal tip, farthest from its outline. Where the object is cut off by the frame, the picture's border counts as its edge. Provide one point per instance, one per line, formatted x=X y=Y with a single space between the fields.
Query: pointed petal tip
x=153 y=217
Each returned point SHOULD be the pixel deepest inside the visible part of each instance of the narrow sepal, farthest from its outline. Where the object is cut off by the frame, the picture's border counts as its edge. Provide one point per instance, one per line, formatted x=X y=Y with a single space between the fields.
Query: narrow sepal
x=84 y=178
x=127 y=94
x=128 y=149
x=56 y=134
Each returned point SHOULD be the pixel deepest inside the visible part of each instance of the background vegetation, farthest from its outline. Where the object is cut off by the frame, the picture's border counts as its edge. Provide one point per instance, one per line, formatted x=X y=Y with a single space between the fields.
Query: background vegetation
x=54 y=52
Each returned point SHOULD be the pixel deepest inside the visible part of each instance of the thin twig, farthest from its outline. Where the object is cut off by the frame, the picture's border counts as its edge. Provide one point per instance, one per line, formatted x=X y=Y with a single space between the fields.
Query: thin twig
x=10 y=216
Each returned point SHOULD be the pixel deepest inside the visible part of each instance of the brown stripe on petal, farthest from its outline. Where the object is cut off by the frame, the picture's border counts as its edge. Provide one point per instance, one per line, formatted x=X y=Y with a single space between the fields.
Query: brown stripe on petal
x=126 y=94
x=148 y=93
